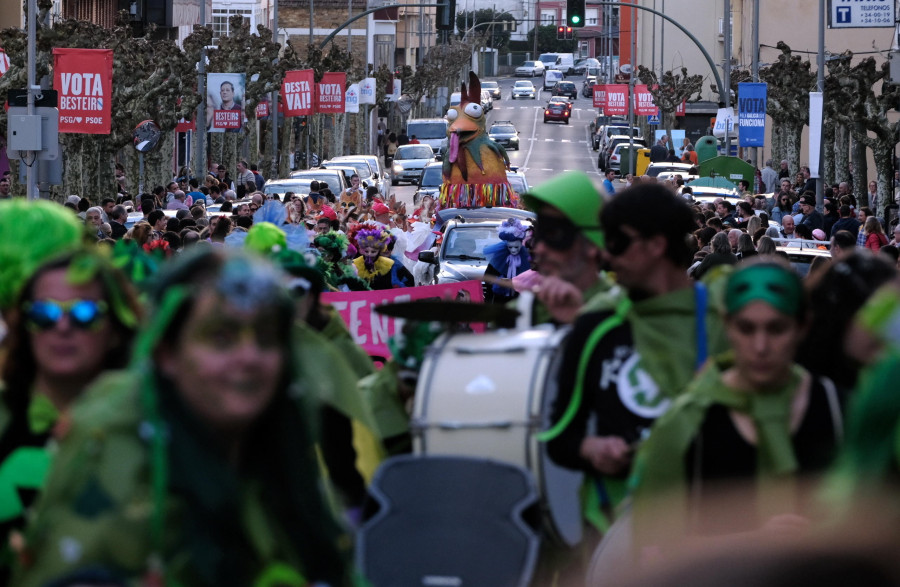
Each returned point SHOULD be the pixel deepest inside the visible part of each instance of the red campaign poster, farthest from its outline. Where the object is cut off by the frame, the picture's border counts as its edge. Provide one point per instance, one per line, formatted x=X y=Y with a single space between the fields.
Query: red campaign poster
x=186 y=125
x=599 y=96
x=330 y=93
x=83 y=78
x=262 y=109
x=643 y=102
x=616 y=100
x=679 y=111
x=297 y=89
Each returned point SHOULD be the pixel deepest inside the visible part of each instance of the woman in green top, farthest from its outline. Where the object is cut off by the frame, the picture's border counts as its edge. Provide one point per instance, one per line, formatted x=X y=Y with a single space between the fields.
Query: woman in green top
x=74 y=318
x=751 y=422
x=196 y=466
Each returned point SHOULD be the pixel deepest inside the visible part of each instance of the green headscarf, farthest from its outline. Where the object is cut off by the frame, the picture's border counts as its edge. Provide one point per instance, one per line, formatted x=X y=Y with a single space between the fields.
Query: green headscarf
x=771 y=283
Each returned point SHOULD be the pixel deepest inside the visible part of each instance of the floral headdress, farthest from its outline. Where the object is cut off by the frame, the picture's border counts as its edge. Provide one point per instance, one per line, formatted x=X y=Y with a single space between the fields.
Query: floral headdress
x=512 y=230
x=372 y=237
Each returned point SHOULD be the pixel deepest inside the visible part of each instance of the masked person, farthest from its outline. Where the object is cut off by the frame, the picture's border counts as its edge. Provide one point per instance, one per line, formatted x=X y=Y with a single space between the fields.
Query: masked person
x=506 y=260
x=196 y=465
x=374 y=264
x=750 y=426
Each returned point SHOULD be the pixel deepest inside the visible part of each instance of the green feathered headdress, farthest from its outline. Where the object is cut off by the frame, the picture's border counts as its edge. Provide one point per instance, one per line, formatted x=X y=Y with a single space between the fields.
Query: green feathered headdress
x=32 y=233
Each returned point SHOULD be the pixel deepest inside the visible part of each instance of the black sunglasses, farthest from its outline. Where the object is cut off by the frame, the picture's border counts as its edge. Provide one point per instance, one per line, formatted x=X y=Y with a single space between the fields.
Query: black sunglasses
x=618 y=242
x=558 y=234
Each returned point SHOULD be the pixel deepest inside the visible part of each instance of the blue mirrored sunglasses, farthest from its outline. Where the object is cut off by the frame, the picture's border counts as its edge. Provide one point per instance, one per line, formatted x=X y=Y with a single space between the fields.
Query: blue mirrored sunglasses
x=83 y=314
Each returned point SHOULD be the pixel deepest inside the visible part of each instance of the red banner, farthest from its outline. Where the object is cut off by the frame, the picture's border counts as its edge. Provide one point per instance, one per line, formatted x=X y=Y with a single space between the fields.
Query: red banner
x=679 y=111
x=643 y=102
x=297 y=89
x=186 y=125
x=330 y=93
x=371 y=330
x=83 y=78
x=616 y=100
x=599 y=96
x=262 y=110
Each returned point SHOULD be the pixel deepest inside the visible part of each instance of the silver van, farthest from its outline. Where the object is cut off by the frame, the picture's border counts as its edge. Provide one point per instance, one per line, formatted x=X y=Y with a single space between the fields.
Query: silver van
x=551 y=78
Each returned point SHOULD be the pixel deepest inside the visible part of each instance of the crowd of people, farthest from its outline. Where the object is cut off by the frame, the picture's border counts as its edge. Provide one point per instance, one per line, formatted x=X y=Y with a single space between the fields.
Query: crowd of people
x=178 y=404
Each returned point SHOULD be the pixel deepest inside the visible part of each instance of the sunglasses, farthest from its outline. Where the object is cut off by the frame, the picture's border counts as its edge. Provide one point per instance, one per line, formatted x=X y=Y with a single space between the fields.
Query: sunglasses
x=556 y=233
x=254 y=208
x=618 y=242
x=83 y=314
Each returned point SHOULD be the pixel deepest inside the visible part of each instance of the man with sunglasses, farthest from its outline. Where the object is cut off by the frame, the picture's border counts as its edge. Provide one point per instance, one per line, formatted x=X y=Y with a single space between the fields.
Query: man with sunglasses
x=622 y=367
x=567 y=243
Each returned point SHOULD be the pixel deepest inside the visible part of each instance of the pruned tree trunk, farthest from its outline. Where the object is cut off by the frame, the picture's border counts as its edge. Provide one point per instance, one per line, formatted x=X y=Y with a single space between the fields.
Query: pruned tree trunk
x=828 y=137
x=841 y=153
x=860 y=167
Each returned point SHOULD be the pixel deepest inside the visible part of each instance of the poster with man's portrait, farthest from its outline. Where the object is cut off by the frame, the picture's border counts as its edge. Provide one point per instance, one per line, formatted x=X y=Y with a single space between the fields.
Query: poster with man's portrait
x=225 y=102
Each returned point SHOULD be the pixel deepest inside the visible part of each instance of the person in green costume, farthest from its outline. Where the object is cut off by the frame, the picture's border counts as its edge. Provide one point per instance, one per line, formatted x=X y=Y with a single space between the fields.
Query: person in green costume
x=75 y=318
x=196 y=466
x=749 y=428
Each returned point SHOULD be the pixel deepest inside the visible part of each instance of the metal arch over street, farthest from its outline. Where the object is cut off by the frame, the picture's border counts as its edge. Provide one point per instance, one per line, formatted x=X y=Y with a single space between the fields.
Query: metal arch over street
x=709 y=60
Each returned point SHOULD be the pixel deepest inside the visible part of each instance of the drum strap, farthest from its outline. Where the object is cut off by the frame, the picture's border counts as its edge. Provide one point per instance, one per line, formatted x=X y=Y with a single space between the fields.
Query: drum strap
x=701 y=300
x=593 y=340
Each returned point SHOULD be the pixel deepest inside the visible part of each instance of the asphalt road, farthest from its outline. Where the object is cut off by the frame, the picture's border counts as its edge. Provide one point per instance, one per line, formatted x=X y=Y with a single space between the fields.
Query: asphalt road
x=545 y=149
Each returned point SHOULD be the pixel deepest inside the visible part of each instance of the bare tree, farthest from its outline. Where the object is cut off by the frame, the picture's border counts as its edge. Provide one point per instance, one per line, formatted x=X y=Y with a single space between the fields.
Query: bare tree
x=671 y=91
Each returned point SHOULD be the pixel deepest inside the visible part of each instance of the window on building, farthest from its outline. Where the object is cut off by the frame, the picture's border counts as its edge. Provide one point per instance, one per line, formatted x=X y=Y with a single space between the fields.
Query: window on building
x=548 y=17
x=591 y=16
x=220 y=20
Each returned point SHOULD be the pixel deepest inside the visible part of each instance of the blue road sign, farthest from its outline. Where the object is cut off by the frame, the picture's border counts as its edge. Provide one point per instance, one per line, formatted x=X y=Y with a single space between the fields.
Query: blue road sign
x=653 y=119
x=843 y=14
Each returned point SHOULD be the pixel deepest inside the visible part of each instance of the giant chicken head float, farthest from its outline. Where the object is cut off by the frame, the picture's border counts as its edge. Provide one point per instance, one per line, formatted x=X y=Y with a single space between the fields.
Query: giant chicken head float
x=474 y=166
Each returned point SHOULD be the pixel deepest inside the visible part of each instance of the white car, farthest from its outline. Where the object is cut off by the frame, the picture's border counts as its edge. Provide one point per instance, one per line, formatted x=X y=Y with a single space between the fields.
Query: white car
x=524 y=89
x=409 y=161
x=530 y=69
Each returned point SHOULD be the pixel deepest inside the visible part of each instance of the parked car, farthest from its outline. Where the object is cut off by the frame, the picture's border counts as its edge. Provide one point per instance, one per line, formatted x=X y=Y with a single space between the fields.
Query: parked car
x=493 y=88
x=615 y=155
x=530 y=69
x=596 y=127
x=557 y=111
x=582 y=65
x=604 y=160
x=655 y=169
x=613 y=129
x=566 y=89
x=283 y=186
x=379 y=177
x=409 y=161
x=587 y=88
x=334 y=178
x=524 y=89
x=429 y=182
x=504 y=132
x=487 y=103
x=517 y=180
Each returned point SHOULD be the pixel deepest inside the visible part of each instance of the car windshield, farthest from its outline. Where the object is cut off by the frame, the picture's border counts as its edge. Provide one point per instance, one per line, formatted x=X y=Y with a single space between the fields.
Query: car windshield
x=361 y=167
x=517 y=182
x=414 y=152
x=528 y=64
x=503 y=128
x=301 y=186
x=427 y=130
x=566 y=85
x=524 y=85
x=431 y=177
x=468 y=242
x=489 y=85
x=331 y=179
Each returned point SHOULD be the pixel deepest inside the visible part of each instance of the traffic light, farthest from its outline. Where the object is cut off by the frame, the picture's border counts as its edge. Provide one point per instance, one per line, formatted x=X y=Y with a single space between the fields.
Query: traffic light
x=569 y=33
x=575 y=12
x=560 y=33
x=446 y=15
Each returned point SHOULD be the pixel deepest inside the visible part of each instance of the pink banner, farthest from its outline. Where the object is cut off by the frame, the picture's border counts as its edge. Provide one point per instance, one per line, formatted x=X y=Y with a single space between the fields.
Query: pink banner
x=616 y=100
x=330 y=93
x=643 y=102
x=599 y=96
x=297 y=90
x=371 y=330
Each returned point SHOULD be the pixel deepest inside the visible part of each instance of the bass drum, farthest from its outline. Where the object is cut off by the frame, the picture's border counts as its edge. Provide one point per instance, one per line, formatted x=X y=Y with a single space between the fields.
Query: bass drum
x=486 y=395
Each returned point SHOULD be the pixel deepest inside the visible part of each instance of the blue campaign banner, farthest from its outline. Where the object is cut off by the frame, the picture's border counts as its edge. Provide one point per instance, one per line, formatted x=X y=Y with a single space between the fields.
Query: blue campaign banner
x=752 y=114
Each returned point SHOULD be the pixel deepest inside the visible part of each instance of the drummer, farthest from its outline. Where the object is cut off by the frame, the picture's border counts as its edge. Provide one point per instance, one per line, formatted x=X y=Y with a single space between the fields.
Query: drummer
x=567 y=245
x=622 y=366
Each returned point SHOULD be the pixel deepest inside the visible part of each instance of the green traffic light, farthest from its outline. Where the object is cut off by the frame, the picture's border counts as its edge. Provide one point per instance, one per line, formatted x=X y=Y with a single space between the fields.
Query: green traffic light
x=576 y=19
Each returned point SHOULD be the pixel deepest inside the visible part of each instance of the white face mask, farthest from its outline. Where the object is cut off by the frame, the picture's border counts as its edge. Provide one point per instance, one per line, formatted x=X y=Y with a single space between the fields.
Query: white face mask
x=513 y=247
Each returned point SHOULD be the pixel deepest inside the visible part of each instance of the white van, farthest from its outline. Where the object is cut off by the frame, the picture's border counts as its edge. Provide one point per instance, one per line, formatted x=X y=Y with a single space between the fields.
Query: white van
x=551 y=78
x=565 y=62
x=429 y=131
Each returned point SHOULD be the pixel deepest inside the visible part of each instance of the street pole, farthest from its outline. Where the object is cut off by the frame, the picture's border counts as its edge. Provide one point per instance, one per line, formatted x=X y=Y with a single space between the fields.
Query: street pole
x=200 y=124
x=309 y=118
x=662 y=38
x=537 y=27
x=754 y=66
x=726 y=70
x=820 y=87
x=32 y=89
x=631 y=159
x=273 y=105
x=653 y=35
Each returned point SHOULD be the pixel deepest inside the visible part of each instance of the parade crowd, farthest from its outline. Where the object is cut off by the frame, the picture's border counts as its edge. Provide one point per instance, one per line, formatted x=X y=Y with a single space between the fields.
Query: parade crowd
x=178 y=405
